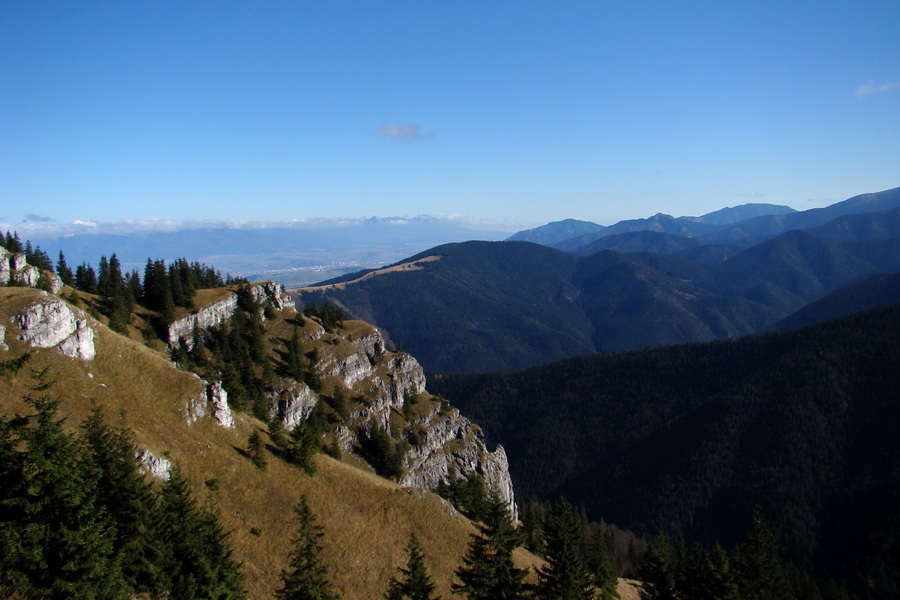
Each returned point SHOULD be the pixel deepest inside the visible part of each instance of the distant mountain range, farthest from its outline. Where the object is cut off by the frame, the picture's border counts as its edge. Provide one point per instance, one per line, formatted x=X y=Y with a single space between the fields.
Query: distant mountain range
x=506 y=305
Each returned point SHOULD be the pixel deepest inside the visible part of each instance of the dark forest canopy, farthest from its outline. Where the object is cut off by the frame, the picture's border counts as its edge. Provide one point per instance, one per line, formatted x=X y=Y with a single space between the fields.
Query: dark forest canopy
x=689 y=439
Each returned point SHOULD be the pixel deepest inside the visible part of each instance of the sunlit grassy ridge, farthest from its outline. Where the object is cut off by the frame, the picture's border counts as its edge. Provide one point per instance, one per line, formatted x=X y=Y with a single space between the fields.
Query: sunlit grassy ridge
x=367 y=519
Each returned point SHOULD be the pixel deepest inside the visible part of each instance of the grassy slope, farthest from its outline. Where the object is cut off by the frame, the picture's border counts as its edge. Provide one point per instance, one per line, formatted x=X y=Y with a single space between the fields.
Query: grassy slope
x=367 y=519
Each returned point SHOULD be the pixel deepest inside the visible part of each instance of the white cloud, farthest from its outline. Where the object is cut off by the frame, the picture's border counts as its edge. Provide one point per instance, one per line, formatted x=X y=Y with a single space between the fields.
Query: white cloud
x=409 y=132
x=871 y=87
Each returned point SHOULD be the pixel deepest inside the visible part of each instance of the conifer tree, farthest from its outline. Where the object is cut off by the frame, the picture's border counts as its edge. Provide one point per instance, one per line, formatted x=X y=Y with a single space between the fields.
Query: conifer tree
x=414 y=582
x=130 y=501
x=758 y=568
x=64 y=271
x=306 y=577
x=112 y=290
x=488 y=572
x=602 y=563
x=200 y=560
x=657 y=571
x=303 y=447
x=565 y=576
x=706 y=575
x=12 y=242
x=294 y=361
x=38 y=258
x=531 y=531
x=86 y=278
x=57 y=538
x=256 y=448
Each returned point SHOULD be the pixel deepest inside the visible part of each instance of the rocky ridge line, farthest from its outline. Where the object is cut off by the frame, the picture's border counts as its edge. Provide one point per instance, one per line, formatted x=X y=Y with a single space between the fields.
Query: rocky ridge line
x=219 y=312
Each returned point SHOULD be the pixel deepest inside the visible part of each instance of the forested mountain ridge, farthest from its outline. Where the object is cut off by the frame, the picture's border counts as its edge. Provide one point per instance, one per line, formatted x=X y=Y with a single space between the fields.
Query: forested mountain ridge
x=506 y=305
x=557 y=231
x=689 y=439
x=473 y=305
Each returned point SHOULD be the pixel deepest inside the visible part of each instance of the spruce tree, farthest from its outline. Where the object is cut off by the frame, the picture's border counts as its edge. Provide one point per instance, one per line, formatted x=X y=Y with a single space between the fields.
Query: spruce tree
x=200 y=562
x=130 y=501
x=303 y=447
x=488 y=572
x=758 y=568
x=565 y=576
x=56 y=536
x=706 y=575
x=602 y=563
x=38 y=258
x=414 y=582
x=658 y=571
x=64 y=271
x=532 y=532
x=306 y=577
x=256 y=448
x=86 y=278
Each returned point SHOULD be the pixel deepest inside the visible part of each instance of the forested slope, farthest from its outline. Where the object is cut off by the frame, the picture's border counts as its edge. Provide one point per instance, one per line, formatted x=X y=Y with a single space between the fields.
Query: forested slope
x=689 y=439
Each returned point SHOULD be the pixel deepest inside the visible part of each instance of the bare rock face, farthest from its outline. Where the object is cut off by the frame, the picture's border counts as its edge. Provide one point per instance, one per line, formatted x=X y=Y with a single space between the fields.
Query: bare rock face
x=80 y=344
x=48 y=323
x=271 y=291
x=447 y=441
x=211 y=401
x=5 y=269
x=219 y=312
x=17 y=261
x=15 y=268
x=54 y=283
x=212 y=315
x=294 y=404
x=154 y=465
x=3 y=345
x=218 y=400
x=28 y=276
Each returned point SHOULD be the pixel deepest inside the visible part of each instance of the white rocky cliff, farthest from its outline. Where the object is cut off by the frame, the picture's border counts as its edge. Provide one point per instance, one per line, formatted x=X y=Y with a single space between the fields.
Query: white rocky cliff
x=14 y=269
x=50 y=322
x=219 y=312
x=393 y=384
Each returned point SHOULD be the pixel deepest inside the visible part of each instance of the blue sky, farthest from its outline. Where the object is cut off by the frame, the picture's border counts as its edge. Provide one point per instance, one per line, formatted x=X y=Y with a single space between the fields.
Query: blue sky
x=503 y=111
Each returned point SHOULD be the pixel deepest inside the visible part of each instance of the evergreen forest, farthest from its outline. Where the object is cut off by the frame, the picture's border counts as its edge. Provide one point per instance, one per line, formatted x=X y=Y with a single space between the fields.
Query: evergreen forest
x=690 y=440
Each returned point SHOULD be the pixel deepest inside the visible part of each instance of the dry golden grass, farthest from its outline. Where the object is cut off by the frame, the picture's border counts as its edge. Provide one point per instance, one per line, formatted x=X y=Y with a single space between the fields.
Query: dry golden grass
x=629 y=589
x=415 y=265
x=367 y=519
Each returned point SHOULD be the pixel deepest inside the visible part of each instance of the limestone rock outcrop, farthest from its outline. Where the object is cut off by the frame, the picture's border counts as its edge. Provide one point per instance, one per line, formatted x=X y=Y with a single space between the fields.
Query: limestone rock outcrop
x=218 y=401
x=154 y=465
x=219 y=312
x=294 y=404
x=394 y=384
x=5 y=270
x=211 y=400
x=50 y=322
x=14 y=268
x=447 y=441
